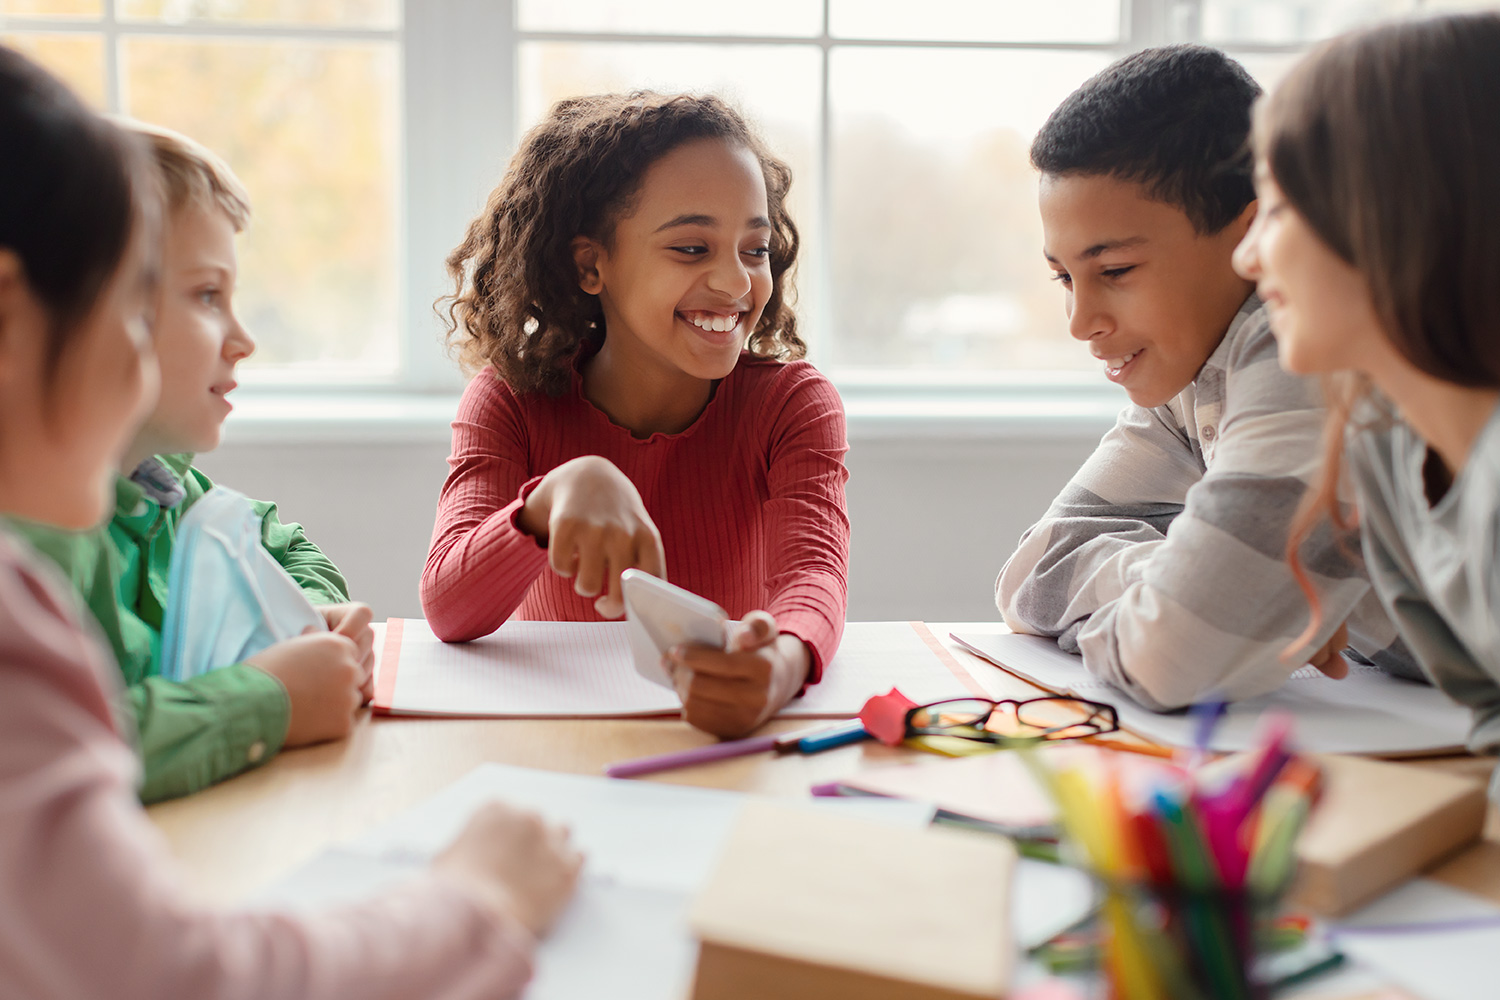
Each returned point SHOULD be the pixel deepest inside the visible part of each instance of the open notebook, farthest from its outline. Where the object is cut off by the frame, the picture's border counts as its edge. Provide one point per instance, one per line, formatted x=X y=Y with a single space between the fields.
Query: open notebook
x=584 y=670
x=1368 y=712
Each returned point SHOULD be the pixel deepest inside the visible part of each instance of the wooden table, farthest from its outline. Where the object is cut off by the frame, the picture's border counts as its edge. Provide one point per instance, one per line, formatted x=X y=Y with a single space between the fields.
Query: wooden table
x=246 y=832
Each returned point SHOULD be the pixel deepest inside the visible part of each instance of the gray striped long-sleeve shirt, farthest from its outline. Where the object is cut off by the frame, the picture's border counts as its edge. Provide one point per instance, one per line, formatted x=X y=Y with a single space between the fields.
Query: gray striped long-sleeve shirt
x=1163 y=560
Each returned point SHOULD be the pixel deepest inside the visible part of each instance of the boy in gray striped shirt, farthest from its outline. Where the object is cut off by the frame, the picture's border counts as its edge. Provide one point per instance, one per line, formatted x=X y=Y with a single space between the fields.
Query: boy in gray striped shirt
x=1163 y=560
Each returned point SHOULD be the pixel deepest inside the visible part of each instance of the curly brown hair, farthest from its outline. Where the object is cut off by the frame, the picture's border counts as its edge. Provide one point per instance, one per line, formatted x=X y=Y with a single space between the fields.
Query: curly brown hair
x=516 y=302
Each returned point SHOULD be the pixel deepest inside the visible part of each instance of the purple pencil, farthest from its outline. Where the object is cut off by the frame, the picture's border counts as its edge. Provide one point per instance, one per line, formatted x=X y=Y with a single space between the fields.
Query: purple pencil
x=687 y=758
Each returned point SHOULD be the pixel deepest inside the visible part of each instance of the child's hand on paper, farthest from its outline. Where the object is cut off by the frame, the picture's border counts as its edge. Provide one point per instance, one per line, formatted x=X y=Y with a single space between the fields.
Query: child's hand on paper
x=517 y=863
x=595 y=527
x=1330 y=658
x=324 y=681
x=353 y=620
x=730 y=692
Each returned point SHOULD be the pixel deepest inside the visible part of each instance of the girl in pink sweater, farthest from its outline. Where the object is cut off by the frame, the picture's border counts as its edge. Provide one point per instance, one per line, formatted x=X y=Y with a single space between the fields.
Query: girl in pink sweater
x=90 y=902
x=641 y=402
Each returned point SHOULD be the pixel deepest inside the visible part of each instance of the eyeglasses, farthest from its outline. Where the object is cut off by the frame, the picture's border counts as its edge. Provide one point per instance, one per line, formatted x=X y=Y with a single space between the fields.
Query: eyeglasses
x=1034 y=719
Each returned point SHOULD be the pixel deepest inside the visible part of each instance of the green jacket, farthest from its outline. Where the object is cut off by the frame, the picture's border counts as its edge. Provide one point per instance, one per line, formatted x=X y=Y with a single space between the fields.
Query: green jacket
x=200 y=731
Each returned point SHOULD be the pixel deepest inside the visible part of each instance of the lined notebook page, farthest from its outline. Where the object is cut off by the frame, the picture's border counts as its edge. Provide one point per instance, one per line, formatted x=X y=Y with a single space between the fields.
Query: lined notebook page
x=1369 y=712
x=584 y=670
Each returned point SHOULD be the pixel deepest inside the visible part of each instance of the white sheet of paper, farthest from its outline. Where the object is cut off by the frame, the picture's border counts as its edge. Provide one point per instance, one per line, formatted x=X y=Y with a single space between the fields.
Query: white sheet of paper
x=1369 y=712
x=585 y=669
x=1444 y=963
x=649 y=848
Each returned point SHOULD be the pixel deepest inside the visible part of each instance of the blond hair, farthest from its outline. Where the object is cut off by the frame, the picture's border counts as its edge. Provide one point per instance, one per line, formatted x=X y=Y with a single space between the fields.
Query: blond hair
x=192 y=174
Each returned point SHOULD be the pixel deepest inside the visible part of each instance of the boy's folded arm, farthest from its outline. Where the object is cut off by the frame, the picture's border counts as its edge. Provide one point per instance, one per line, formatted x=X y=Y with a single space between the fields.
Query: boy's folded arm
x=1101 y=529
x=198 y=732
x=807 y=521
x=1216 y=606
x=1071 y=563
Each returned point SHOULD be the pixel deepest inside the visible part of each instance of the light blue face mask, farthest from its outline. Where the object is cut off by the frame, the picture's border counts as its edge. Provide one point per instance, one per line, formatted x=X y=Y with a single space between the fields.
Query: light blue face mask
x=227 y=599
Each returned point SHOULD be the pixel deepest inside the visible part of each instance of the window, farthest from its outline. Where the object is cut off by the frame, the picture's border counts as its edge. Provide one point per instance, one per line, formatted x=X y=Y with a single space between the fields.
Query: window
x=370 y=131
x=302 y=98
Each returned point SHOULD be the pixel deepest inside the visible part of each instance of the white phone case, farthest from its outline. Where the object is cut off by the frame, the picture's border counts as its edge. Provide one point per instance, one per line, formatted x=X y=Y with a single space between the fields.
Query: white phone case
x=661 y=616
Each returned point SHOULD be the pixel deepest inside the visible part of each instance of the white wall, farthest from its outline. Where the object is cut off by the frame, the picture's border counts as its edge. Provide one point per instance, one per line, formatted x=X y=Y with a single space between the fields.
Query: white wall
x=933 y=518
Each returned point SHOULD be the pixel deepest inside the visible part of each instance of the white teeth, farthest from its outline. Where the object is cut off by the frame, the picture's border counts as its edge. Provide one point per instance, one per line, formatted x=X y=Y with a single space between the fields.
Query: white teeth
x=714 y=322
x=1115 y=364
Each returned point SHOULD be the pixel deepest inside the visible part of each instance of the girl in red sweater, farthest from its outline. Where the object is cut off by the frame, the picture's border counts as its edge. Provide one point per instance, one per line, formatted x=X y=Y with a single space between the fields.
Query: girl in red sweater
x=641 y=401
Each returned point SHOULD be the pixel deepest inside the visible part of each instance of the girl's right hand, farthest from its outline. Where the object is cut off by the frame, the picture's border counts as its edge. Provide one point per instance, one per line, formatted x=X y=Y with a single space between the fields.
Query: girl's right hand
x=595 y=527
x=324 y=677
x=517 y=863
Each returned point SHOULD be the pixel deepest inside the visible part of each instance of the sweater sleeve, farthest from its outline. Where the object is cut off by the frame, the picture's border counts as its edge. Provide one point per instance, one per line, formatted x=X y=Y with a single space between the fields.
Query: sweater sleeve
x=90 y=902
x=289 y=545
x=1207 y=605
x=481 y=564
x=198 y=732
x=807 y=522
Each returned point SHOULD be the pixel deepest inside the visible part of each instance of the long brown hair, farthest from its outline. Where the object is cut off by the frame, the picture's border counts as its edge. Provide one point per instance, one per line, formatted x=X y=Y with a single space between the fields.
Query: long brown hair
x=1387 y=141
x=73 y=190
x=516 y=303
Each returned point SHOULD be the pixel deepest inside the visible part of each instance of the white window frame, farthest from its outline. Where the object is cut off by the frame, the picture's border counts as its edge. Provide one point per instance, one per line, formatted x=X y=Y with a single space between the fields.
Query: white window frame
x=458 y=124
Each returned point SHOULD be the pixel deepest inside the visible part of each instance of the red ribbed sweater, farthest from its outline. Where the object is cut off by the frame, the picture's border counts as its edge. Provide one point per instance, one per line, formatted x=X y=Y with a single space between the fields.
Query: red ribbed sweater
x=749 y=501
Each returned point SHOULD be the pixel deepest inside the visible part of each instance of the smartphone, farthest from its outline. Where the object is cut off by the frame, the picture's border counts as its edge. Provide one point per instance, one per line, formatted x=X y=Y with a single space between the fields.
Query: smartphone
x=660 y=616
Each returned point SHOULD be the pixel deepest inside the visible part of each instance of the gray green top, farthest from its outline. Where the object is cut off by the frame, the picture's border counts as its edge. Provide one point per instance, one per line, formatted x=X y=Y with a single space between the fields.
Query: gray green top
x=1434 y=565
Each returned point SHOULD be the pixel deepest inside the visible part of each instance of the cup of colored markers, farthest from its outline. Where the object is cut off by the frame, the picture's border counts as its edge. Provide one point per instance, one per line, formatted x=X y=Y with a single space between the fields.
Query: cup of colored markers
x=1192 y=863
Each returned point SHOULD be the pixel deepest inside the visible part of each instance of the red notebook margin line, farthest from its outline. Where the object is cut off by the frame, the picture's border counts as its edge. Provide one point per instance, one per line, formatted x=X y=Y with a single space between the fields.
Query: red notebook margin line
x=938 y=650
x=390 y=658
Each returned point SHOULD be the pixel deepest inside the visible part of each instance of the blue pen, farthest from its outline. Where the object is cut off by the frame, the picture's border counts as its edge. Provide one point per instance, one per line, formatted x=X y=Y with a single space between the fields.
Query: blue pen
x=838 y=736
x=1207 y=712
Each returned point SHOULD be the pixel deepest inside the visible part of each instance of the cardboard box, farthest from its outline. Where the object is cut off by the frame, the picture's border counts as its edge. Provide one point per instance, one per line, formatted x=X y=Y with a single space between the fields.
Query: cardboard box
x=806 y=904
x=1378 y=824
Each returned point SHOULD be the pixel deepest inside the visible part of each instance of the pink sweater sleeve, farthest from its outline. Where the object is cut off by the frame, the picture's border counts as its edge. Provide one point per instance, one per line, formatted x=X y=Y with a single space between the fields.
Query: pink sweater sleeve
x=807 y=522
x=481 y=563
x=90 y=904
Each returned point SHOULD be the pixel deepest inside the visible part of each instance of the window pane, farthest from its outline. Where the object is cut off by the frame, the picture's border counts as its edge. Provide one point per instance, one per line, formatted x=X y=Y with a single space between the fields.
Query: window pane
x=937 y=245
x=776 y=86
x=1267 y=67
x=1291 y=21
x=77 y=59
x=53 y=8
x=964 y=20
x=311 y=129
x=340 y=13
x=673 y=17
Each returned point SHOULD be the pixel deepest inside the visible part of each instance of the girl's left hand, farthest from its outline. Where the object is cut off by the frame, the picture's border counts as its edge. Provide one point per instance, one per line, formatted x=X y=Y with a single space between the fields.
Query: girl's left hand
x=730 y=692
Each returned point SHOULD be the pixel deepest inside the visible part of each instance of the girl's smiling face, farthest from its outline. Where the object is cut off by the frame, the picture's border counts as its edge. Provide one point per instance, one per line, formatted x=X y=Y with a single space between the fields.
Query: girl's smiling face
x=1320 y=305
x=684 y=277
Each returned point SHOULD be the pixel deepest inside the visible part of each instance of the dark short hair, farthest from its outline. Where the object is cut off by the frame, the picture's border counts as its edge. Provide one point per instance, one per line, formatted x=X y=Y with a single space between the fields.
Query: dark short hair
x=1175 y=119
x=70 y=194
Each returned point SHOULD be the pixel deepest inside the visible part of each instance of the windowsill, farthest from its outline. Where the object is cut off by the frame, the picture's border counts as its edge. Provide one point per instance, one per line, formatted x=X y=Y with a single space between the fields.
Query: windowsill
x=886 y=412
